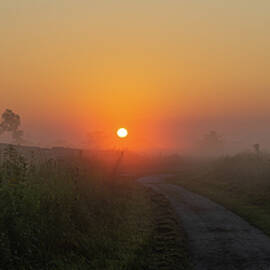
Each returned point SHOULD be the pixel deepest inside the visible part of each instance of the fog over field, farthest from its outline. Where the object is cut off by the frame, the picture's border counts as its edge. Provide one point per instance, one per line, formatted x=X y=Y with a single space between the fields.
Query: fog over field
x=170 y=72
x=134 y=135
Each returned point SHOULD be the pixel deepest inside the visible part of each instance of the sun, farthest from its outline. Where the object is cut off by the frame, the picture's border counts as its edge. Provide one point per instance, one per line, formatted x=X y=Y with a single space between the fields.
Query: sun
x=122 y=132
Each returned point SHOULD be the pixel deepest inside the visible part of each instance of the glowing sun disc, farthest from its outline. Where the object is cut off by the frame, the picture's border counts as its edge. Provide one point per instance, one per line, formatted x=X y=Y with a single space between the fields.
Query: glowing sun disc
x=122 y=132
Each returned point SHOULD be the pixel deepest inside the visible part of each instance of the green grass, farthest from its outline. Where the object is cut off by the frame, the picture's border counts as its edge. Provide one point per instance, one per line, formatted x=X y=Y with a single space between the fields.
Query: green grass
x=241 y=183
x=72 y=214
x=68 y=215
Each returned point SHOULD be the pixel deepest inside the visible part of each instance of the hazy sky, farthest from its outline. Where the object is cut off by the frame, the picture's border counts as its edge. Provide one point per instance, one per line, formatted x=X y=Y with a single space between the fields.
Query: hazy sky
x=168 y=70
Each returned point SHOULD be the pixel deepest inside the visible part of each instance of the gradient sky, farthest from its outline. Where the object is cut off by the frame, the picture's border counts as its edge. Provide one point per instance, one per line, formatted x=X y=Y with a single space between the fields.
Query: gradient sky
x=167 y=70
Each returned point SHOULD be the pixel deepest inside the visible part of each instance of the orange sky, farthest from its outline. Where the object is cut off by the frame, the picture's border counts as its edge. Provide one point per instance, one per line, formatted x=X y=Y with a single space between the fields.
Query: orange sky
x=167 y=70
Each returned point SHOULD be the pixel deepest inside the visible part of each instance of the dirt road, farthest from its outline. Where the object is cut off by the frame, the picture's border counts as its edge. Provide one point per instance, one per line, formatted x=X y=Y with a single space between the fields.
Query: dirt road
x=218 y=238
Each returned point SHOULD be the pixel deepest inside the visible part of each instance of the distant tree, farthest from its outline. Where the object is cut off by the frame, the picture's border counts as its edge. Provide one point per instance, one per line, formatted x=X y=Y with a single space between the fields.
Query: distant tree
x=257 y=148
x=10 y=123
x=212 y=143
x=96 y=139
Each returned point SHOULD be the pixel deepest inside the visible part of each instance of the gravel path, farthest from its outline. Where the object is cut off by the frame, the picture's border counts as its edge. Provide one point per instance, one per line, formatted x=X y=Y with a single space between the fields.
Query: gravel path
x=218 y=238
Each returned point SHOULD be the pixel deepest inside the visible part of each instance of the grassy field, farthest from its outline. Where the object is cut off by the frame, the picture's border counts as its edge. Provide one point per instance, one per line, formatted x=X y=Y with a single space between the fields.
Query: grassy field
x=69 y=214
x=240 y=183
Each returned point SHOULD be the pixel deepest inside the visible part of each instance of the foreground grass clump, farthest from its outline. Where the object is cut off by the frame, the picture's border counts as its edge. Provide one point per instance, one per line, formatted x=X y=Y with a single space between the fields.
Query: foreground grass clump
x=241 y=183
x=69 y=215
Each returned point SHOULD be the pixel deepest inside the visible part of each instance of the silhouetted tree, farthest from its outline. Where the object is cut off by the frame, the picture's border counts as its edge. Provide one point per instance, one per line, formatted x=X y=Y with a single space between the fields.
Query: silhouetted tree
x=96 y=139
x=212 y=143
x=10 y=123
x=257 y=148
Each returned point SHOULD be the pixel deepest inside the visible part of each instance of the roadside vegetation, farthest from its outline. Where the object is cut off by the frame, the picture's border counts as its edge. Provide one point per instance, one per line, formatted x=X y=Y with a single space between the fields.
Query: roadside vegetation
x=241 y=183
x=66 y=215
x=71 y=214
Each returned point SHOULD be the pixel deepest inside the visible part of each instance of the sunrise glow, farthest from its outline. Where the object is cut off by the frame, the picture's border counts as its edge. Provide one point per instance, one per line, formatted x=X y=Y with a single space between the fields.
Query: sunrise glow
x=122 y=133
x=182 y=69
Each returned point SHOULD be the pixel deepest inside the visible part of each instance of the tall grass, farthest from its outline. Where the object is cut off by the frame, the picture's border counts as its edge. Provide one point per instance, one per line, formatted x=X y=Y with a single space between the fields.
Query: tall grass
x=68 y=215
